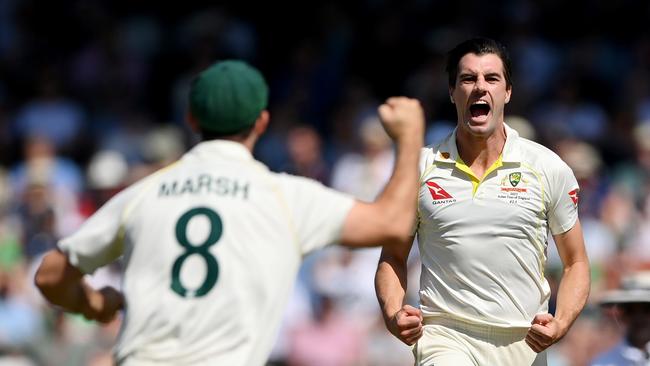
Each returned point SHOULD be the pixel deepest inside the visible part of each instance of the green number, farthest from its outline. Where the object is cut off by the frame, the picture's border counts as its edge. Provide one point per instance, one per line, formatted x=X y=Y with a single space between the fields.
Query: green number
x=212 y=265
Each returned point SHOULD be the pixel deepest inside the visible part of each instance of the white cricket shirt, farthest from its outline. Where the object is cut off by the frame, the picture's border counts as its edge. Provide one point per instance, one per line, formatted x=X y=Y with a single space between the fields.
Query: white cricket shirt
x=483 y=241
x=212 y=245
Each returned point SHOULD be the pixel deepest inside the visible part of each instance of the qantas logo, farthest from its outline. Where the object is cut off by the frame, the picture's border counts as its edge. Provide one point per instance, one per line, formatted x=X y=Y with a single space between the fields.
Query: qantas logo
x=574 y=196
x=437 y=193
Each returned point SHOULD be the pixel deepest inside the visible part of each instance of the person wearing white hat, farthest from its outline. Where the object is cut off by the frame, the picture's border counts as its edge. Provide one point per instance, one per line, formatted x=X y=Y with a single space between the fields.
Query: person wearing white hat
x=633 y=300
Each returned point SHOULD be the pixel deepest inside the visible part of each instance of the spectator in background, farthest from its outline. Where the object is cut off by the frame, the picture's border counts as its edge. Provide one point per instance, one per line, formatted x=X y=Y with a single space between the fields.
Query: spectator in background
x=632 y=303
x=306 y=154
x=330 y=340
x=21 y=322
x=364 y=173
x=45 y=175
x=61 y=120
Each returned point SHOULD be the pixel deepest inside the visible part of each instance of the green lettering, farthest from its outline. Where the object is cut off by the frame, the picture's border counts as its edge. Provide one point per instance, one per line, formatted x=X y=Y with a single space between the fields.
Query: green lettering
x=166 y=190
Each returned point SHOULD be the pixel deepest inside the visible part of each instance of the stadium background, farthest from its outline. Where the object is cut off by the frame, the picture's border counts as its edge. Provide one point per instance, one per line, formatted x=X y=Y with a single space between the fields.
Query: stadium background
x=92 y=97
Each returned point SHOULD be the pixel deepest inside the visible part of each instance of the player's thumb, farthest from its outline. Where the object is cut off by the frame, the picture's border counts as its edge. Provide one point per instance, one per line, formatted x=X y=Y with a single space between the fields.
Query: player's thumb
x=413 y=311
x=542 y=319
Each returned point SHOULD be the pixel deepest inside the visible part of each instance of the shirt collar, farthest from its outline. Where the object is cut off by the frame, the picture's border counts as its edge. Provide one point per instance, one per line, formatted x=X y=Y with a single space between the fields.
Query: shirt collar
x=223 y=148
x=448 y=151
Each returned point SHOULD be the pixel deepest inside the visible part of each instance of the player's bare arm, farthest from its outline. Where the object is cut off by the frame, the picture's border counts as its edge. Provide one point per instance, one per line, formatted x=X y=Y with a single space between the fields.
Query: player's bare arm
x=403 y=321
x=390 y=217
x=63 y=284
x=572 y=293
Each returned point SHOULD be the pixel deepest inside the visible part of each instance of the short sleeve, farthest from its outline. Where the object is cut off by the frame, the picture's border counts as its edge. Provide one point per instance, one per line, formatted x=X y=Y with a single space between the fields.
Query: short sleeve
x=98 y=241
x=425 y=166
x=318 y=212
x=563 y=194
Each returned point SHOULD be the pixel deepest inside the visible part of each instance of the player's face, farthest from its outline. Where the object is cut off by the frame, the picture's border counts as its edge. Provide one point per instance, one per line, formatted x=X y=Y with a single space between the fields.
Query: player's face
x=480 y=94
x=637 y=317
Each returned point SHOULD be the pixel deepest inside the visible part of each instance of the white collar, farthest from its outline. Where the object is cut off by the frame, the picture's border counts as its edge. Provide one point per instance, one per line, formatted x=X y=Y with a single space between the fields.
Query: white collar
x=448 y=151
x=223 y=148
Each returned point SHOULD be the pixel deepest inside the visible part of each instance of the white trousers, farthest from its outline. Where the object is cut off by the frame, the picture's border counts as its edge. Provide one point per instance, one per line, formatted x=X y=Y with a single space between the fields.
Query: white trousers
x=447 y=342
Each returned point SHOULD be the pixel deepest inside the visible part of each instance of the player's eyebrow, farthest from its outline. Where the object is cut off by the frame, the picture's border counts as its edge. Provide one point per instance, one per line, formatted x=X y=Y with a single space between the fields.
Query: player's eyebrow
x=493 y=74
x=472 y=74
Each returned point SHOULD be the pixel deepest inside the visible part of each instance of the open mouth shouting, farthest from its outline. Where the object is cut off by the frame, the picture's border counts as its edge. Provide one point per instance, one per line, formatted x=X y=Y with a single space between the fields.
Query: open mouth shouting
x=479 y=110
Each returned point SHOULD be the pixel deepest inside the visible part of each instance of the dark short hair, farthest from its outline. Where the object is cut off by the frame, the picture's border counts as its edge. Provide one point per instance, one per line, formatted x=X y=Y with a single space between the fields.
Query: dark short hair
x=479 y=47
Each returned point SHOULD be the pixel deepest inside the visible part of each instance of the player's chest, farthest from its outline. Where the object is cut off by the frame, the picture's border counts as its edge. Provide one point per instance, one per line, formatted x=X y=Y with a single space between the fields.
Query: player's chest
x=504 y=195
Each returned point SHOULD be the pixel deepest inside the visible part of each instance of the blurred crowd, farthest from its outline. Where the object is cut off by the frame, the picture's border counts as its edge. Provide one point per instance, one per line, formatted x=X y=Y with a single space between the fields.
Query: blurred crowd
x=93 y=97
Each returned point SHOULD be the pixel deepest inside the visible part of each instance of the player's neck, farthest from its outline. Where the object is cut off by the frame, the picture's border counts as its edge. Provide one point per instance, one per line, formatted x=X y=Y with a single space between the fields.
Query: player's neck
x=479 y=153
x=247 y=141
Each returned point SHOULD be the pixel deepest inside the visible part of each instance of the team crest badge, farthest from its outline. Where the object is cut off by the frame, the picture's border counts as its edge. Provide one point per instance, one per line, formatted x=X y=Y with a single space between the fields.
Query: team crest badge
x=514 y=178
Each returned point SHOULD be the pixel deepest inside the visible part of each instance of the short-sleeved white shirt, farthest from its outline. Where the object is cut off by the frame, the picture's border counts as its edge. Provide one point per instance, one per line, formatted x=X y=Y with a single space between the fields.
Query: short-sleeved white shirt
x=483 y=242
x=212 y=245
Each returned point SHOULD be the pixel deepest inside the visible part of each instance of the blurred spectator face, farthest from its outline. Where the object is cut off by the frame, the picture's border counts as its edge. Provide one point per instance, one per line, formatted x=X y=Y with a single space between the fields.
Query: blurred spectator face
x=637 y=318
x=37 y=198
x=38 y=147
x=373 y=136
x=304 y=146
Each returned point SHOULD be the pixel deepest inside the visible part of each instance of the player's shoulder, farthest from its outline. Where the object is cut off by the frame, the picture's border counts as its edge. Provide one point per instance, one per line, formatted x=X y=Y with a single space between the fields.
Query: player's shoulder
x=143 y=183
x=290 y=181
x=540 y=156
x=428 y=153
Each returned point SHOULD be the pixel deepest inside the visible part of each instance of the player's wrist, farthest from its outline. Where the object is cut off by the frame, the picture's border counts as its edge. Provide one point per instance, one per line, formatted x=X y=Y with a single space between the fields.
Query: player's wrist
x=563 y=326
x=92 y=303
x=390 y=315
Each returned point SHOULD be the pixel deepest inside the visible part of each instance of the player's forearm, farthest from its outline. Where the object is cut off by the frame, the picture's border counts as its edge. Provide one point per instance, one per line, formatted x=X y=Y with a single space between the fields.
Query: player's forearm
x=397 y=203
x=61 y=284
x=572 y=294
x=390 y=285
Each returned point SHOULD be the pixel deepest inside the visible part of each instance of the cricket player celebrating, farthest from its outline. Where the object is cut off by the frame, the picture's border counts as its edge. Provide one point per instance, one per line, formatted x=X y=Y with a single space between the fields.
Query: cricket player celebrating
x=487 y=199
x=212 y=243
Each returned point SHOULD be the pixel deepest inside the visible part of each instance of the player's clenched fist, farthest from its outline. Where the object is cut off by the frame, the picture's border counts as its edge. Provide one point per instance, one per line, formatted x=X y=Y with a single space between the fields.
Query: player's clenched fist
x=103 y=305
x=402 y=117
x=544 y=331
x=406 y=324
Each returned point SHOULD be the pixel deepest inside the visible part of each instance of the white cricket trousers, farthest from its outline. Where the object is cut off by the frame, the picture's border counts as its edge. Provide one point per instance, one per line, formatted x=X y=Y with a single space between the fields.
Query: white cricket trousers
x=448 y=342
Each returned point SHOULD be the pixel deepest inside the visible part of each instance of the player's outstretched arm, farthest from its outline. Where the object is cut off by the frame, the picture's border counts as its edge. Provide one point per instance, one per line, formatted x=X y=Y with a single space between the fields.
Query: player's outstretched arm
x=63 y=284
x=403 y=321
x=390 y=217
x=547 y=329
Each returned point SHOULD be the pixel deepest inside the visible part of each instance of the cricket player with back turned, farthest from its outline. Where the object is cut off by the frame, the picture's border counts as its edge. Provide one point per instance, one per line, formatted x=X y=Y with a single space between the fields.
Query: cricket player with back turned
x=212 y=244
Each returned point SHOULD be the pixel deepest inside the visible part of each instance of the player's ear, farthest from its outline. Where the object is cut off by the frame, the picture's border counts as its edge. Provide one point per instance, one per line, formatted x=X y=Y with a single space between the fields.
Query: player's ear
x=262 y=122
x=192 y=122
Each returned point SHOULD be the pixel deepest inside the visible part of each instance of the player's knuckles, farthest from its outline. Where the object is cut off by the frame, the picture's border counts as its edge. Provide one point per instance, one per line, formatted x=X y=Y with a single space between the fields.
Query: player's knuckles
x=409 y=322
x=535 y=347
x=410 y=332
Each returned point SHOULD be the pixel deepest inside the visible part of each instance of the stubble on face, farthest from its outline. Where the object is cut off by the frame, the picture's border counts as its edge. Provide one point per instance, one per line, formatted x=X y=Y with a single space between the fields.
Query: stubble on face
x=480 y=94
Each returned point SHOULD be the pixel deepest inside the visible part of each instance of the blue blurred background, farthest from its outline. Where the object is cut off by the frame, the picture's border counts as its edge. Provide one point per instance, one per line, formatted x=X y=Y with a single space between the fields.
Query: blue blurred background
x=93 y=97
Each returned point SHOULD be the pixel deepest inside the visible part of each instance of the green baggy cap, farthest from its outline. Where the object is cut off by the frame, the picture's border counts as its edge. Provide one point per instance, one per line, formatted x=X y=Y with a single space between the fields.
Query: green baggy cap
x=228 y=97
